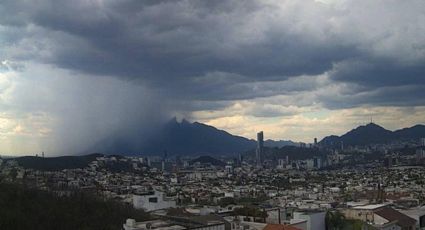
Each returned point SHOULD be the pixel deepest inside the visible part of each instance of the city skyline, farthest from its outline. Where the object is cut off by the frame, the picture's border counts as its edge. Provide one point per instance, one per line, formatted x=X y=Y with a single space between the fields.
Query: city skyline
x=296 y=70
x=212 y=114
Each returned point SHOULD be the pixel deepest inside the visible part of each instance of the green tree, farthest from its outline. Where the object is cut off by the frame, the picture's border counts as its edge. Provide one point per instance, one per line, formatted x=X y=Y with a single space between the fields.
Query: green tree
x=225 y=201
x=334 y=220
x=25 y=208
x=251 y=211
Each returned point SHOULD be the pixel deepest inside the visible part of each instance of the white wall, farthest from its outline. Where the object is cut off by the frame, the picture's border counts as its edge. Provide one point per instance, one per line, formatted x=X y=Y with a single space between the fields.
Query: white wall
x=142 y=202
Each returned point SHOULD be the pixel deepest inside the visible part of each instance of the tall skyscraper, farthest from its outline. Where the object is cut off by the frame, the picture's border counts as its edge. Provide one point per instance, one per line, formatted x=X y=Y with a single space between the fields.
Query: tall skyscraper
x=260 y=146
x=315 y=141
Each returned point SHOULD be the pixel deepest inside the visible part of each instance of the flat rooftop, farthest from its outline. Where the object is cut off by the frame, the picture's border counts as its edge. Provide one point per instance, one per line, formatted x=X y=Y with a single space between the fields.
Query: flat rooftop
x=370 y=206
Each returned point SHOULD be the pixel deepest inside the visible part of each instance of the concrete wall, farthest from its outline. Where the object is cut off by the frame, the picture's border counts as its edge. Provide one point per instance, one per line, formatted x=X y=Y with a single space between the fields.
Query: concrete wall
x=315 y=220
x=359 y=214
x=379 y=220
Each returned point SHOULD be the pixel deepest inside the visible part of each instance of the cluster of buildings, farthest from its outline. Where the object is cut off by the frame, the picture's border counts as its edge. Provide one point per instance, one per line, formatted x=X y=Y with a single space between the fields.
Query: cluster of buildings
x=248 y=194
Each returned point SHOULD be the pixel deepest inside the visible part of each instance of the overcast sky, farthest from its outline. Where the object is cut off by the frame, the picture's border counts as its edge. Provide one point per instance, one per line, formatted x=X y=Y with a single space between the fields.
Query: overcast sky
x=74 y=72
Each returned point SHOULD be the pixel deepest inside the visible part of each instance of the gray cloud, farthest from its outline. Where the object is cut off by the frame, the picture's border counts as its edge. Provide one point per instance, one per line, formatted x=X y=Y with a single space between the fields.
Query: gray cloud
x=177 y=39
x=404 y=95
x=222 y=50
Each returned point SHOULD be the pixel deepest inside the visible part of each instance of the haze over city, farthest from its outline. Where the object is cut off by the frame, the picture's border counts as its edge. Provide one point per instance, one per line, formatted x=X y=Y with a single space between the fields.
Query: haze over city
x=73 y=73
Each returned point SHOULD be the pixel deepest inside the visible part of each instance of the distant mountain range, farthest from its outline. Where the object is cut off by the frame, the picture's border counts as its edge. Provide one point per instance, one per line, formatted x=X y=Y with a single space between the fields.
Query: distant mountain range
x=373 y=134
x=197 y=139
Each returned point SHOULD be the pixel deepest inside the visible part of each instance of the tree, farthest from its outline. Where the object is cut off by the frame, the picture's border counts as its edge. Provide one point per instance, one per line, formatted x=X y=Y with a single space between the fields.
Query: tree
x=26 y=208
x=250 y=211
x=334 y=220
x=225 y=201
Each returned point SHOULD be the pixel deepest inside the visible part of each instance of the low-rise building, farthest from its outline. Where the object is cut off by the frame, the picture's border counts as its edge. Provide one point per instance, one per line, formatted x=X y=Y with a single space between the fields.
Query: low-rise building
x=152 y=201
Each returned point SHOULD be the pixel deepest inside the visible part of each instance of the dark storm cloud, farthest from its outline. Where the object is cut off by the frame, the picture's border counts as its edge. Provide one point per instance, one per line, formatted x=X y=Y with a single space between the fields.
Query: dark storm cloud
x=178 y=40
x=379 y=82
x=175 y=39
x=229 y=50
x=379 y=72
x=403 y=96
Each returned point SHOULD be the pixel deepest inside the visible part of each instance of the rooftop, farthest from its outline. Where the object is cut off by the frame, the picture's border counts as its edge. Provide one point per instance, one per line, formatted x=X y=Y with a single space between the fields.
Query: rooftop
x=279 y=227
x=394 y=215
x=370 y=206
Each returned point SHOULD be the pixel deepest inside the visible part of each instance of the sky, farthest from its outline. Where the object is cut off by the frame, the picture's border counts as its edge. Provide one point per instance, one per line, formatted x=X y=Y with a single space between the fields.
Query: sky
x=75 y=72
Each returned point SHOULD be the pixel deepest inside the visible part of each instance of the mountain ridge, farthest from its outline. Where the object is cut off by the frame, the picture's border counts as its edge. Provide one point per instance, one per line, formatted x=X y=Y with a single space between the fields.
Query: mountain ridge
x=197 y=139
x=180 y=138
x=280 y=143
x=374 y=134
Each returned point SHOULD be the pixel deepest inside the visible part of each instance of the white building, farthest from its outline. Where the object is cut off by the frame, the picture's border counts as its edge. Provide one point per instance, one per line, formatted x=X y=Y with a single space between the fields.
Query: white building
x=153 y=201
x=195 y=223
x=131 y=224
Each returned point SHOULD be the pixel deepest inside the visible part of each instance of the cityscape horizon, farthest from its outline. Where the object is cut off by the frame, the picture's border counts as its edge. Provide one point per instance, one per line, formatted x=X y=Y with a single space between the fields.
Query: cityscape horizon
x=212 y=115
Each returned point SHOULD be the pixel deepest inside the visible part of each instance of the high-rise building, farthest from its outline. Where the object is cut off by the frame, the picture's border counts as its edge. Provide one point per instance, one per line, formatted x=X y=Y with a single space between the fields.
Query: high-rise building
x=315 y=141
x=420 y=152
x=317 y=162
x=260 y=146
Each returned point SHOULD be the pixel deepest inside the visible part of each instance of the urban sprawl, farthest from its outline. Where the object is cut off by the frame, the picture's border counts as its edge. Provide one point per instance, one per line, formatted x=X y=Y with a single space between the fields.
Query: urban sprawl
x=374 y=187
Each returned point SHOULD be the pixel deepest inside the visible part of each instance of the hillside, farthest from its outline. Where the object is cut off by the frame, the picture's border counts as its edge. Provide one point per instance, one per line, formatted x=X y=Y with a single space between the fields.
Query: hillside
x=374 y=134
x=56 y=163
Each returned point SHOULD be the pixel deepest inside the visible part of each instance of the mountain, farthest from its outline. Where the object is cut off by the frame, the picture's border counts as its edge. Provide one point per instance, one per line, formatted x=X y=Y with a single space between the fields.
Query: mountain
x=185 y=138
x=415 y=132
x=280 y=143
x=207 y=160
x=366 y=134
x=373 y=134
x=178 y=138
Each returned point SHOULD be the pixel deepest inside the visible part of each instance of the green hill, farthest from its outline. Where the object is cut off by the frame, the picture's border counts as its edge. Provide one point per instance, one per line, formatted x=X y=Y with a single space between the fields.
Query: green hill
x=56 y=163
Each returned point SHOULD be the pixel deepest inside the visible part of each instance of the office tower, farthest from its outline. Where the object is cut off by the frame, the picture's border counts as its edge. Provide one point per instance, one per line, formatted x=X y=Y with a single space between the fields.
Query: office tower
x=240 y=159
x=164 y=159
x=260 y=145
